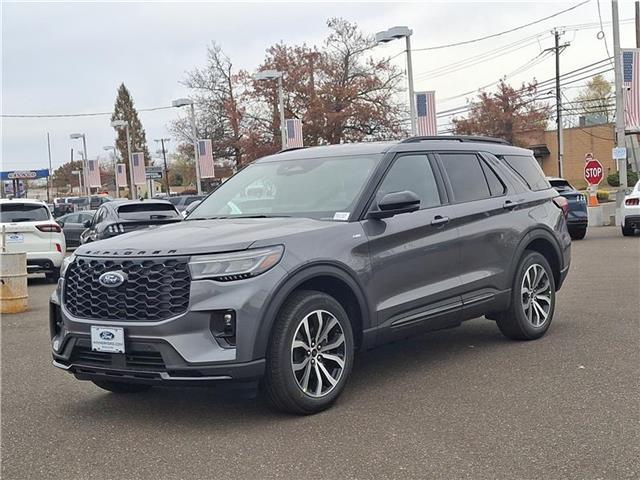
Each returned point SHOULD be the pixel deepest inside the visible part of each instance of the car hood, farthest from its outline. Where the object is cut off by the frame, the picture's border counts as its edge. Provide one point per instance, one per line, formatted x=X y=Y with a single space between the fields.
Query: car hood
x=203 y=236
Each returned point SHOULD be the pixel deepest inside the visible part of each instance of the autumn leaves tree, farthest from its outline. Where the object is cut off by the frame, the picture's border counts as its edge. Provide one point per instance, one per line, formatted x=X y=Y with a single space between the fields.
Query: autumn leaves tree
x=339 y=91
x=508 y=114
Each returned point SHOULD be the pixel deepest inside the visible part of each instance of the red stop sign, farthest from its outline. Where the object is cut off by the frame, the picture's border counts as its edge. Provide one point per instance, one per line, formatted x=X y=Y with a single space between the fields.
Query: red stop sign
x=593 y=172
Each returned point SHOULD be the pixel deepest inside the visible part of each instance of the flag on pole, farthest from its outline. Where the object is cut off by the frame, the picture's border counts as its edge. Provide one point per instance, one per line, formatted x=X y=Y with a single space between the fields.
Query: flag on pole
x=93 y=175
x=121 y=175
x=426 y=113
x=294 y=133
x=205 y=159
x=139 y=174
x=631 y=88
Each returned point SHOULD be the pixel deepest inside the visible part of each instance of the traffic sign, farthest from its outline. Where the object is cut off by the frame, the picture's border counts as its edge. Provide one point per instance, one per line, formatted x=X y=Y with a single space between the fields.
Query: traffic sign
x=593 y=172
x=153 y=169
x=619 y=153
x=153 y=175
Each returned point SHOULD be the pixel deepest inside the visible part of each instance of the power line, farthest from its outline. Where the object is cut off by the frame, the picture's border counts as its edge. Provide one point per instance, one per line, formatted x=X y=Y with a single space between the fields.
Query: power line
x=70 y=115
x=604 y=36
x=466 y=42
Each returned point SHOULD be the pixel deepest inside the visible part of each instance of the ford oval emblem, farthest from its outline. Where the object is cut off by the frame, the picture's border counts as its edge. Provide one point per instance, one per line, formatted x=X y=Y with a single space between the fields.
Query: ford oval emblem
x=107 y=336
x=112 y=279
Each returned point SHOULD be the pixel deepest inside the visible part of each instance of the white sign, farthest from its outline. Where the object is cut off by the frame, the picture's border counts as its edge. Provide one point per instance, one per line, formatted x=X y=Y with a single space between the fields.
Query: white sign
x=619 y=153
x=22 y=174
x=107 y=339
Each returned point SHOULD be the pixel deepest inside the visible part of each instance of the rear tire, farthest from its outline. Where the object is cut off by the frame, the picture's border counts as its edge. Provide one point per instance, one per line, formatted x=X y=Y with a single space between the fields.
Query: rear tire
x=53 y=276
x=121 y=387
x=628 y=231
x=578 y=234
x=533 y=299
x=301 y=378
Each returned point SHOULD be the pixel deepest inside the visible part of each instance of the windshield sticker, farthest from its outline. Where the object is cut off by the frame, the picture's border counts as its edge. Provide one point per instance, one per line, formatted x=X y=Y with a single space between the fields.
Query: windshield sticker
x=341 y=216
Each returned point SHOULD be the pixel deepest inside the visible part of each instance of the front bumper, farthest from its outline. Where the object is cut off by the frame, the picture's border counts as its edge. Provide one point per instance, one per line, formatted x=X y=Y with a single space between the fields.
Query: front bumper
x=178 y=350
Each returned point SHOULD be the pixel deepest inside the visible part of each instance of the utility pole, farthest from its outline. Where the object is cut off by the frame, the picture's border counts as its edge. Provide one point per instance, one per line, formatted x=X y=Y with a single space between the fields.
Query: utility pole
x=49 y=176
x=637 y=24
x=166 y=169
x=557 y=49
x=620 y=137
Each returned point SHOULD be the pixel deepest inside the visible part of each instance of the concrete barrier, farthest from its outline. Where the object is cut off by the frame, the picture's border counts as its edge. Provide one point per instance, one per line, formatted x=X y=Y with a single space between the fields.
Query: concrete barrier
x=596 y=217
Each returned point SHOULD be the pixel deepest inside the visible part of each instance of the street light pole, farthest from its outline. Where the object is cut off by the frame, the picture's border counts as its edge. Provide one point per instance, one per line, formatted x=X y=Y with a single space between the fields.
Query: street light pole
x=115 y=167
x=75 y=136
x=395 y=33
x=182 y=102
x=124 y=124
x=273 y=75
x=620 y=133
x=283 y=128
x=412 y=100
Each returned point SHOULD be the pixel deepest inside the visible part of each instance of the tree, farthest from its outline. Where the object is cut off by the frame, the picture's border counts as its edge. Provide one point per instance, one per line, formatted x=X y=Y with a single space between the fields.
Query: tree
x=216 y=91
x=595 y=99
x=124 y=109
x=62 y=177
x=507 y=114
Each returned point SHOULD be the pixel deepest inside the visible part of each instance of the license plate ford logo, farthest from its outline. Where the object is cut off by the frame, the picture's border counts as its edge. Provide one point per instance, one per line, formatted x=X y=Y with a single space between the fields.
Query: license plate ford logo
x=112 y=279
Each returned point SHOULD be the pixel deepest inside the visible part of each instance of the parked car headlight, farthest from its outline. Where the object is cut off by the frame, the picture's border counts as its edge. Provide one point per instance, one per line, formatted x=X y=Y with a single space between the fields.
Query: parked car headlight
x=66 y=262
x=226 y=267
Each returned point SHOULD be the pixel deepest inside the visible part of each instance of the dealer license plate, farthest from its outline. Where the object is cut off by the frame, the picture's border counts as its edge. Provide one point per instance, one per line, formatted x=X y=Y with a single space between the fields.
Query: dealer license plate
x=107 y=339
x=15 y=238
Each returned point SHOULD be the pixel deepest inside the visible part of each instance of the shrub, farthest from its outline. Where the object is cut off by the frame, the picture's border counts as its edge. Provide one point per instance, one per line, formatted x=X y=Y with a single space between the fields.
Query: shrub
x=603 y=195
x=614 y=178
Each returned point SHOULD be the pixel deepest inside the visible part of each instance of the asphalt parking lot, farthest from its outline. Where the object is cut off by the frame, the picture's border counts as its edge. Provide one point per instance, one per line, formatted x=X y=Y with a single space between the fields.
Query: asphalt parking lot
x=462 y=403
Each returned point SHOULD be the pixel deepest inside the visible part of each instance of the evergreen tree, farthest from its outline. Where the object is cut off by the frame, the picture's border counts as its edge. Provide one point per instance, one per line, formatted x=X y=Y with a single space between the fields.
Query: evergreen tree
x=125 y=110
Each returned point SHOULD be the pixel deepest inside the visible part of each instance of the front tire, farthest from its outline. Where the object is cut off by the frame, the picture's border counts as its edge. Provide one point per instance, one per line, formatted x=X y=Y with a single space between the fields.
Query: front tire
x=310 y=354
x=533 y=300
x=121 y=387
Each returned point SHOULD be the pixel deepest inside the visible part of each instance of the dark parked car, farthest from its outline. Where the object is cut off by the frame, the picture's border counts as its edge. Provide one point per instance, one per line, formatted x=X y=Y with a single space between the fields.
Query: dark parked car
x=181 y=202
x=118 y=217
x=73 y=224
x=577 y=218
x=356 y=245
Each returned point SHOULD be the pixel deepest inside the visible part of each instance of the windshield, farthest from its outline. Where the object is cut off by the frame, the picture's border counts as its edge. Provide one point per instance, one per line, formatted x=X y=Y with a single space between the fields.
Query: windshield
x=321 y=188
x=147 y=211
x=21 y=212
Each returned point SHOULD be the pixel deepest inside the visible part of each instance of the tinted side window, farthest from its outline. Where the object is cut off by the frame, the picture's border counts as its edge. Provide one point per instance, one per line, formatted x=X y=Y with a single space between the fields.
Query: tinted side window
x=72 y=218
x=528 y=170
x=466 y=176
x=414 y=173
x=496 y=187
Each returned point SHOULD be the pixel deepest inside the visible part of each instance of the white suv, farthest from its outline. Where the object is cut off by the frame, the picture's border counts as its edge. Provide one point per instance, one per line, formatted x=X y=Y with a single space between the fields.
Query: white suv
x=29 y=227
x=631 y=211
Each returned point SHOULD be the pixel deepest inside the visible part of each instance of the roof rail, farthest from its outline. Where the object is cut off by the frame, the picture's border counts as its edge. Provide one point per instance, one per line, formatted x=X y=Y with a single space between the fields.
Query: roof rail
x=455 y=138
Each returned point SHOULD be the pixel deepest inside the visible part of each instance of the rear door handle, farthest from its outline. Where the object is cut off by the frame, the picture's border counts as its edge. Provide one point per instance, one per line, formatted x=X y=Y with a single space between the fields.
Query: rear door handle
x=439 y=220
x=509 y=204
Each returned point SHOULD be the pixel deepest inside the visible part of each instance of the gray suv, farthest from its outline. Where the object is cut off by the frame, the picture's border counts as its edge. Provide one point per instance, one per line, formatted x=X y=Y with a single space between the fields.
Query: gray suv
x=347 y=247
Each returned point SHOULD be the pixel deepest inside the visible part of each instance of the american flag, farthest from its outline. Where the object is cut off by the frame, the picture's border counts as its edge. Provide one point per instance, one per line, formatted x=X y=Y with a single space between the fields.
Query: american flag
x=294 y=132
x=121 y=175
x=631 y=85
x=205 y=159
x=93 y=174
x=426 y=112
x=139 y=174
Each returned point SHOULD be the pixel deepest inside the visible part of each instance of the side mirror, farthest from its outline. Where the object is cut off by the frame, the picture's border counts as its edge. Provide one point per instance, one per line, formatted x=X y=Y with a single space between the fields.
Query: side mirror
x=86 y=223
x=395 y=203
x=191 y=207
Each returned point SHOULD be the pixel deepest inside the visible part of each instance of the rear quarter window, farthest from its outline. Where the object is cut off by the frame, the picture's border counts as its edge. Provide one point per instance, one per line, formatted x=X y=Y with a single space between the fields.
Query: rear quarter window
x=527 y=168
x=23 y=212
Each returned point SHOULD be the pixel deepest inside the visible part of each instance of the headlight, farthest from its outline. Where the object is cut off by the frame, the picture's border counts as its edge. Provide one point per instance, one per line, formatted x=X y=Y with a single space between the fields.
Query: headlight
x=66 y=262
x=235 y=266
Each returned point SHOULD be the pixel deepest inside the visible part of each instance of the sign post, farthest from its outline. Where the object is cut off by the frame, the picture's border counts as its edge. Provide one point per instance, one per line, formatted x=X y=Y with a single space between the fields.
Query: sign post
x=593 y=174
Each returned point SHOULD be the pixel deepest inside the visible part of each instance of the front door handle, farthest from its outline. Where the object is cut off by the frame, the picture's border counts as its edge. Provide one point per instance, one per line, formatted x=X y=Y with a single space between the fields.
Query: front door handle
x=509 y=204
x=439 y=220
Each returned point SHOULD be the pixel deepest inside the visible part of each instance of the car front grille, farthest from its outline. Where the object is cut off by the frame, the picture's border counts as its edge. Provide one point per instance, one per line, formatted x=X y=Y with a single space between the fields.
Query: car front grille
x=154 y=288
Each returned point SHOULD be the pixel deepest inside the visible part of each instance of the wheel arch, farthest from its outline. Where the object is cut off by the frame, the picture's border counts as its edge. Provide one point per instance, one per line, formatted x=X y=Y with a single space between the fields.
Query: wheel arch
x=330 y=278
x=543 y=242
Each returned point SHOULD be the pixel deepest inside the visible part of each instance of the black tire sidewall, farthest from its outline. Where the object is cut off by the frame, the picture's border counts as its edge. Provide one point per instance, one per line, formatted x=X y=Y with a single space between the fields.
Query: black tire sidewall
x=529 y=330
x=298 y=307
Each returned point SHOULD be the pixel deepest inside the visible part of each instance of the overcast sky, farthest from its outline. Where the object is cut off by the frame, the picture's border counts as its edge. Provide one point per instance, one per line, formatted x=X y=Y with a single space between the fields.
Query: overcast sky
x=65 y=58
